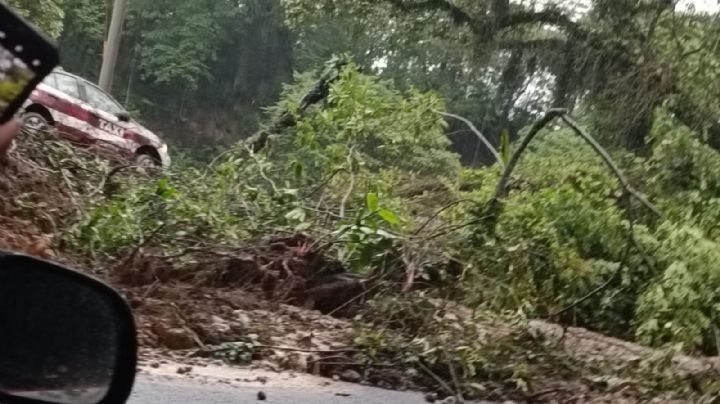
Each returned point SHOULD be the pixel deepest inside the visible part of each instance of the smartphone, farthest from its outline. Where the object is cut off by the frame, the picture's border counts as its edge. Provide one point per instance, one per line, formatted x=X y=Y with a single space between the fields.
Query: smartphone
x=26 y=57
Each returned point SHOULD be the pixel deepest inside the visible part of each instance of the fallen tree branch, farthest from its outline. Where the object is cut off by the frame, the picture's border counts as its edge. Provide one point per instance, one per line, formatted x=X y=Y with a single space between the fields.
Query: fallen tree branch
x=439 y=212
x=279 y=348
x=501 y=192
x=186 y=327
x=355 y=298
x=71 y=189
x=317 y=351
x=593 y=292
x=437 y=378
x=631 y=242
x=150 y=290
x=207 y=251
x=107 y=178
x=539 y=394
x=261 y=170
x=456 y=382
x=318 y=93
x=327 y=181
x=143 y=243
x=453 y=228
x=502 y=188
x=479 y=134
x=411 y=268
x=351 y=187
x=610 y=163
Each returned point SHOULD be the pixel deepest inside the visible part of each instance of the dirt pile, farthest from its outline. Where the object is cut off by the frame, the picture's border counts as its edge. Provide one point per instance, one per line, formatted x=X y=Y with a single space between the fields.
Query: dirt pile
x=29 y=205
x=288 y=270
x=257 y=303
x=240 y=327
x=41 y=183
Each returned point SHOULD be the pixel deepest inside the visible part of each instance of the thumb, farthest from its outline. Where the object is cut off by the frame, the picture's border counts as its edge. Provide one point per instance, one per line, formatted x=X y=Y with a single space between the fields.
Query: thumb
x=8 y=131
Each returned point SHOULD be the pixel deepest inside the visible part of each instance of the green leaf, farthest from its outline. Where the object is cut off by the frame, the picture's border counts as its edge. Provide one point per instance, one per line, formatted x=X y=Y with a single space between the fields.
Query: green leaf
x=297 y=214
x=298 y=169
x=389 y=217
x=372 y=202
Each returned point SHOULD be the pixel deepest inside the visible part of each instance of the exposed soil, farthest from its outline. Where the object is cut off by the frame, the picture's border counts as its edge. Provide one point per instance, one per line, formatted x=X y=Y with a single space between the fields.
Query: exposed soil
x=271 y=296
x=180 y=317
x=288 y=270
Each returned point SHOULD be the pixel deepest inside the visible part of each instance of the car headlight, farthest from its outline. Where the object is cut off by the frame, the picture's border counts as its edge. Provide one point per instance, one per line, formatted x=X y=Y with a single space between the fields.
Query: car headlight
x=164 y=155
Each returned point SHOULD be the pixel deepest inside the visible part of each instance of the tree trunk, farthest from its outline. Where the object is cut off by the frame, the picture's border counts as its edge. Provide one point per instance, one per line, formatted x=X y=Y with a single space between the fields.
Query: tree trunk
x=562 y=97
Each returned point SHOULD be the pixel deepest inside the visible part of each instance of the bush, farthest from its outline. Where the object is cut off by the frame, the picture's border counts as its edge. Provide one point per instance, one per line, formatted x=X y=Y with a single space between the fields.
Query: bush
x=683 y=305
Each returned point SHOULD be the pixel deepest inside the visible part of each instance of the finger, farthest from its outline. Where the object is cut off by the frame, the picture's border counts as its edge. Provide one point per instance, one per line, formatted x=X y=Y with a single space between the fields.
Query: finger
x=8 y=132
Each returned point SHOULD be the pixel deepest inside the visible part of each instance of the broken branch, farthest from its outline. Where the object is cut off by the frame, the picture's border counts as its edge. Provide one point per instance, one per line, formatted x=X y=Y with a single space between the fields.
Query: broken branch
x=502 y=188
x=437 y=378
x=610 y=163
x=477 y=133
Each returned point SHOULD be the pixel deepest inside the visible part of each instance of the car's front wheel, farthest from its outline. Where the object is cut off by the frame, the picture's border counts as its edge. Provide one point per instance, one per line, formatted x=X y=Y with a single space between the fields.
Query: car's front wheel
x=36 y=122
x=146 y=164
x=146 y=161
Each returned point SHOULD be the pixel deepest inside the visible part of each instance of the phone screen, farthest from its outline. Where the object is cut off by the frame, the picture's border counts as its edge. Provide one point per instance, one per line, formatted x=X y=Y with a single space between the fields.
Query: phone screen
x=26 y=57
x=15 y=76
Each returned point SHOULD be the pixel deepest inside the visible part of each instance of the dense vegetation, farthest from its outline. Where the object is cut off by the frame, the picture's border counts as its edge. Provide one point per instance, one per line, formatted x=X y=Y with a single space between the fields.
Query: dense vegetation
x=377 y=171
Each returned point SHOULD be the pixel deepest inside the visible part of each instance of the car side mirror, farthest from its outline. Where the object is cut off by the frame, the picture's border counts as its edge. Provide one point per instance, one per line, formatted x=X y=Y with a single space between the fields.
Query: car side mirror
x=123 y=116
x=65 y=338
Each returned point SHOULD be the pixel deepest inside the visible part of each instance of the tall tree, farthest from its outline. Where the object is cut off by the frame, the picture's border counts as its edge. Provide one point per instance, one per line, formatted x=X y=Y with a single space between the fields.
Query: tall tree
x=605 y=56
x=199 y=71
x=46 y=14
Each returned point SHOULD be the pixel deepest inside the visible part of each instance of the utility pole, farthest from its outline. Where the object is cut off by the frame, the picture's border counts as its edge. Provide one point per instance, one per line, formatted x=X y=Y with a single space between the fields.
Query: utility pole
x=112 y=44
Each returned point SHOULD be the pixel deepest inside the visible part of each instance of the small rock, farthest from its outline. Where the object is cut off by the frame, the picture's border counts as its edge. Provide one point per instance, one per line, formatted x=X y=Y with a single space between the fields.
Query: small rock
x=242 y=318
x=154 y=365
x=305 y=339
x=261 y=396
x=261 y=379
x=431 y=397
x=336 y=378
x=350 y=376
x=220 y=325
x=183 y=370
x=450 y=400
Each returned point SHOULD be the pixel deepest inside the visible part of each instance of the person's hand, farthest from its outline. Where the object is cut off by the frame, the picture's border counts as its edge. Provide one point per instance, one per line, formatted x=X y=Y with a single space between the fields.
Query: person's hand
x=8 y=131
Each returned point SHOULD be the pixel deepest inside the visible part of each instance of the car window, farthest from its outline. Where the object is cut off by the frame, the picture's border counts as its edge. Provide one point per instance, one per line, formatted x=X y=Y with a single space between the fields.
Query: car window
x=101 y=100
x=67 y=84
x=51 y=80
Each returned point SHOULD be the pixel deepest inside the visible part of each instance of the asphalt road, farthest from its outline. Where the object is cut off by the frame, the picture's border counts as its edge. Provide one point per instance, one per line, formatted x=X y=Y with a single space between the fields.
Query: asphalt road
x=169 y=382
x=153 y=390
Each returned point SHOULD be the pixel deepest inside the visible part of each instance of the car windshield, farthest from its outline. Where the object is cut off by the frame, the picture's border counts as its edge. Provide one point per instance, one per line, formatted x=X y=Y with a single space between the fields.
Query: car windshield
x=64 y=83
x=101 y=100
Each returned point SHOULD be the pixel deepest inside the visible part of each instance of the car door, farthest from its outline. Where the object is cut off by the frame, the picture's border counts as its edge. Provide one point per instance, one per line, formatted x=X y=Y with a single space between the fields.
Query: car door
x=105 y=110
x=60 y=93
